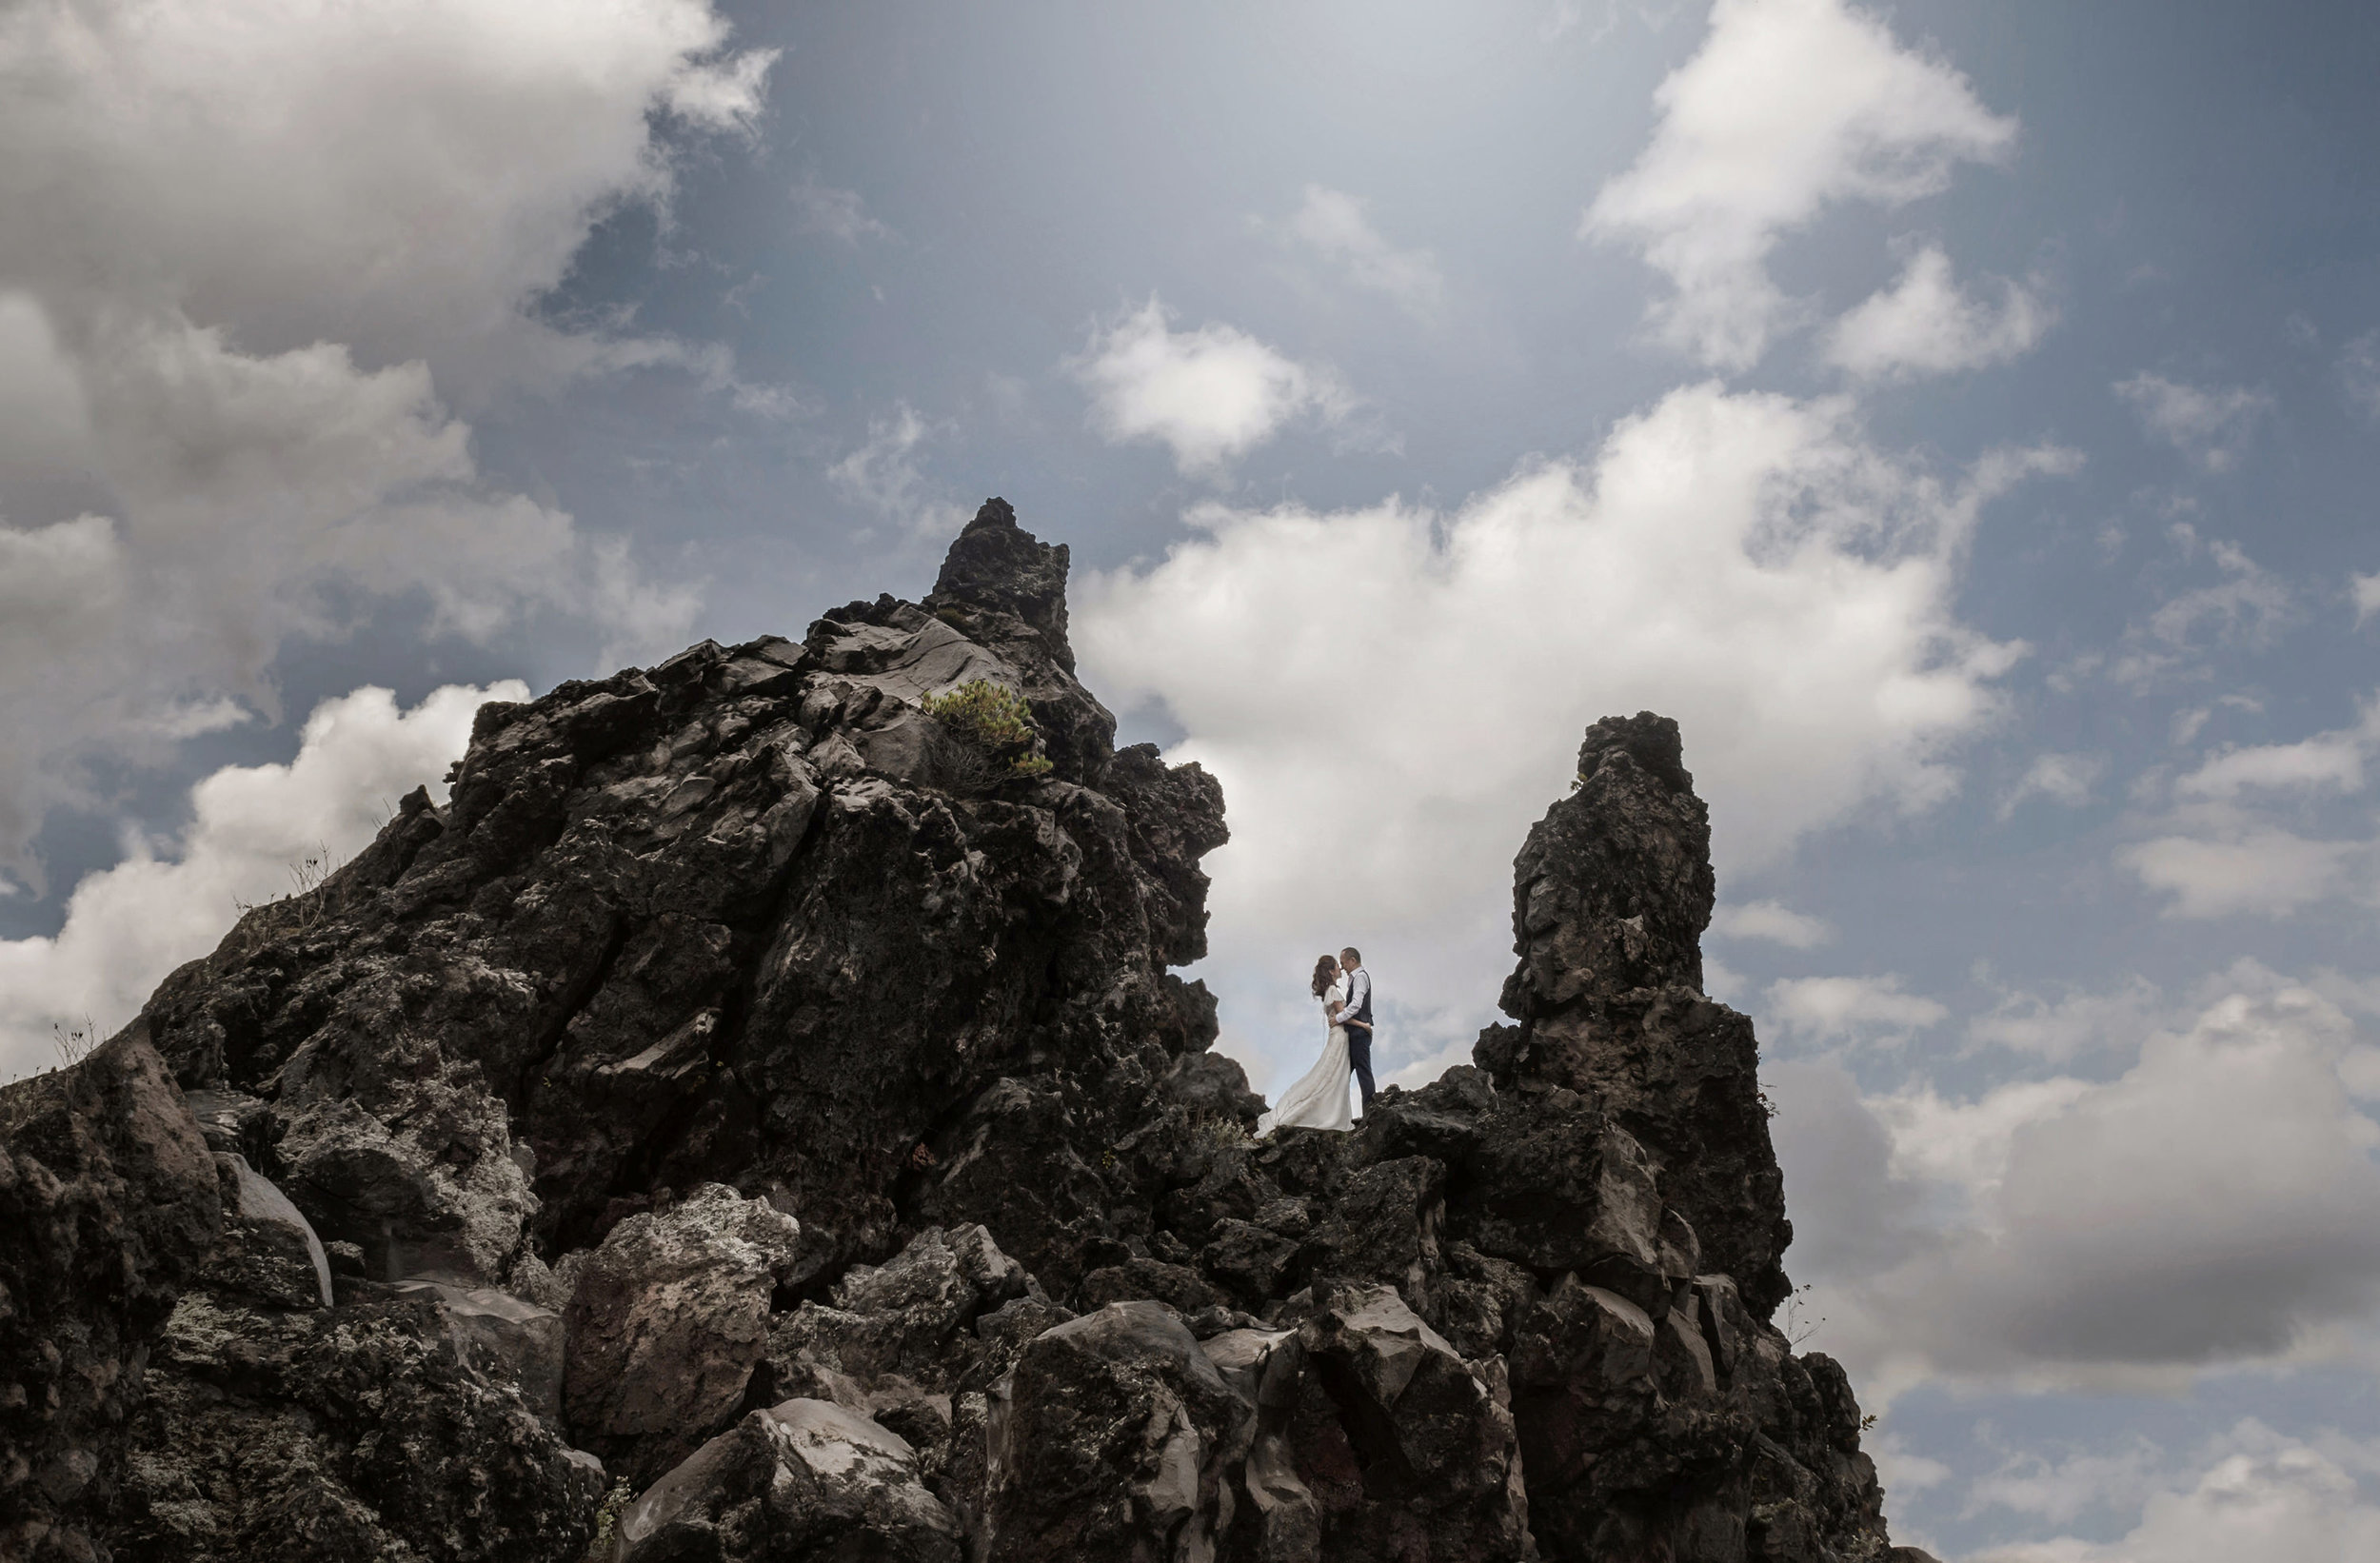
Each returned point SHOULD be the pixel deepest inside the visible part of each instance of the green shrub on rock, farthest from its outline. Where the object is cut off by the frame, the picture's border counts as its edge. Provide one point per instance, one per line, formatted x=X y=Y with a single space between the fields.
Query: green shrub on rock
x=996 y=722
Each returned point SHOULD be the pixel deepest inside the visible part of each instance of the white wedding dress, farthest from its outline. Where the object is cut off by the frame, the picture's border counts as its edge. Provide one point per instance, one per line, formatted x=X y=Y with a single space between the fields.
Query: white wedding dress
x=1319 y=1099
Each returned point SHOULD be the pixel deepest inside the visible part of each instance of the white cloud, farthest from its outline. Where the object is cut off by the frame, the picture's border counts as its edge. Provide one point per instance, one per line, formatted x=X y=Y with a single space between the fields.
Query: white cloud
x=249 y=244
x=2062 y=1491
x=1774 y=922
x=2213 y=426
x=2074 y=1024
x=1964 y=1145
x=1925 y=324
x=883 y=474
x=1839 y=1009
x=2267 y=1497
x=1210 y=395
x=837 y=213
x=1724 y=983
x=1850 y=1217
x=1391 y=695
x=250 y=491
x=2063 y=779
x=2334 y=762
x=2209 y=1206
x=2245 y=869
x=2246 y=606
x=2359 y=373
x=387 y=175
x=2367 y=591
x=1335 y=226
x=2229 y=850
x=128 y=926
x=1790 y=106
x=1901 y=1469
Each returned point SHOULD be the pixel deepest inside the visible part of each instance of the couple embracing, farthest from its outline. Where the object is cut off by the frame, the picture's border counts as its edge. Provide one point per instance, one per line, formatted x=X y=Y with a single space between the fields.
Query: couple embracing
x=1319 y=1099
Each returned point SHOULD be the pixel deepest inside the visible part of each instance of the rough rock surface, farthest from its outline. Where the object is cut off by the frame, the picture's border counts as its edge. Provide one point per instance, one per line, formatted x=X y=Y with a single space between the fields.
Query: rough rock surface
x=667 y=1320
x=751 y=1088
x=360 y=1432
x=803 y=1479
x=1612 y=891
x=108 y=1203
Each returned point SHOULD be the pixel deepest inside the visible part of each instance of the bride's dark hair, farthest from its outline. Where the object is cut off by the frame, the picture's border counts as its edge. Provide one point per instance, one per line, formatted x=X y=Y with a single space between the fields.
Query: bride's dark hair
x=1325 y=973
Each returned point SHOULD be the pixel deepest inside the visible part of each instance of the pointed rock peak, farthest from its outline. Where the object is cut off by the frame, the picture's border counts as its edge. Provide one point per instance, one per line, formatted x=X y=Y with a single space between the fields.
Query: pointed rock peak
x=998 y=566
x=1615 y=884
x=1651 y=741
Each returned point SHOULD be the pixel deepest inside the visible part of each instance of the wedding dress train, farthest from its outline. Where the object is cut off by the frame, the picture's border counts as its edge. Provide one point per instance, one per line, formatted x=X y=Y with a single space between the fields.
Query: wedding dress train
x=1319 y=1099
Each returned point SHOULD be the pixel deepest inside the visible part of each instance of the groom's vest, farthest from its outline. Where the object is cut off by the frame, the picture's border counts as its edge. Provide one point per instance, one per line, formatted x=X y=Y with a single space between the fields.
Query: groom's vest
x=1361 y=1012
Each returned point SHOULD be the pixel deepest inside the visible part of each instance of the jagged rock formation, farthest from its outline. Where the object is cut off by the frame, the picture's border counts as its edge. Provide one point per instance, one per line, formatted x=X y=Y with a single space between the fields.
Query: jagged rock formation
x=108 y=1204
x=1611 y=895
x=753 y=1096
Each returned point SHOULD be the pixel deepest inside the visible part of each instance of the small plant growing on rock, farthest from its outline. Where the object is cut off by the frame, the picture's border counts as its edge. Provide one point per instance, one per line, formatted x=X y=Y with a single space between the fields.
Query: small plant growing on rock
x=1222 y=1132
x=307 y=876
x=992 y=733
x=73 y=1044
x=607 y=1521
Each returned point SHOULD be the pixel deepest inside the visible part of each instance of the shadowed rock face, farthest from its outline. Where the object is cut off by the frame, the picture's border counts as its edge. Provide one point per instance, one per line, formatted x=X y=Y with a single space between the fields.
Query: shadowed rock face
x=110 y=1202
x=742 y=1090
x=1611 y=894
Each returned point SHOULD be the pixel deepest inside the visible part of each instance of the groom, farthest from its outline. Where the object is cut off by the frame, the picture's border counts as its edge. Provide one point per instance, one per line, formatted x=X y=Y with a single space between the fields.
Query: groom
x=1356 y=1017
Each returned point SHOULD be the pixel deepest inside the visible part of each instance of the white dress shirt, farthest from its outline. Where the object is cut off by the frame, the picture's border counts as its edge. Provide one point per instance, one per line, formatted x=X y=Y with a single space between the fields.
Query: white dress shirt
x=1359 y=990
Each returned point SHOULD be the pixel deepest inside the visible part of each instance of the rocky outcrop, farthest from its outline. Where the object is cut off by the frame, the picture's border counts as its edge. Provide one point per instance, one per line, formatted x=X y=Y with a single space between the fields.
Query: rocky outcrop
x=667 y=1319
x=1611 y=893
x=109 y=1201
x=362 y=1432
x=761 y=1093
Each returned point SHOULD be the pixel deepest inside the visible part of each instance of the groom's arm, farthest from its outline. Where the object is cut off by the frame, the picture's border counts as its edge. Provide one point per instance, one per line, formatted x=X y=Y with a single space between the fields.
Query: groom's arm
x=1358 y=991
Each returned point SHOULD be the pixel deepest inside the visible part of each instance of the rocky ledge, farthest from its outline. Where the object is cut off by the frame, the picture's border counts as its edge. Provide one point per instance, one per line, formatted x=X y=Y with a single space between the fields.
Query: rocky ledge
x=754 y=1119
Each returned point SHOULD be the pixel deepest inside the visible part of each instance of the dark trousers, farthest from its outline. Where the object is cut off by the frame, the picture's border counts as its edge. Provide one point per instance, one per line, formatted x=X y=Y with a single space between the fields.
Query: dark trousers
x=1360 y=1059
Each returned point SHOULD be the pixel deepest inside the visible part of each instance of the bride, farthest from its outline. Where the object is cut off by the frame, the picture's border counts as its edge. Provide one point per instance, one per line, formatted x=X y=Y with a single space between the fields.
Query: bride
x=1319 y=1099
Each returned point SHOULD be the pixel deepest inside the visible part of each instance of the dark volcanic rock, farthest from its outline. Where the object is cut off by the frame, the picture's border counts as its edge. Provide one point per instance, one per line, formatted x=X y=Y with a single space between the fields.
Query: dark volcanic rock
x=1611 y=895
x=805 y=1479
x=744 y=1079
x=667 y=1321
x=1113 y=1437
x=110 y=1202
x=340 y=1433
x=1408 y=1449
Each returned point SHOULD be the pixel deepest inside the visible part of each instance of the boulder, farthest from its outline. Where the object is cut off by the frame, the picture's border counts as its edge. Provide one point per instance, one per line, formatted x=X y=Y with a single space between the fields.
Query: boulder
x=272 y=1435
x=1583 y=1380
x=268 y=1251
x=1278 y=1519
x=803 y=1479
x=1556 y=1186
x=1416 y=1453
x=511 y=1339
x=912 y=1318
x=408 y=1157
x=667 y=1321
x=1113 y=1438
x=1177 y=1286
x=110 y=1203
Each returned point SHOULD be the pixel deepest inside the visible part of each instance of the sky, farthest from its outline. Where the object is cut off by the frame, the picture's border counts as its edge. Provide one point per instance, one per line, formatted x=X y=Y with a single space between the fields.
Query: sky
x=1963 y=419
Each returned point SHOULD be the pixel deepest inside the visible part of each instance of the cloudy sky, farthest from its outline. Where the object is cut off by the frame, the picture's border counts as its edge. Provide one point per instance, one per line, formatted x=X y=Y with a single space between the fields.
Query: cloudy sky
x=1964 y=419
